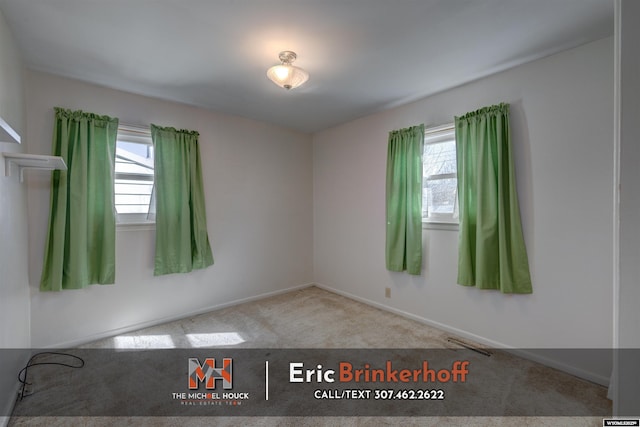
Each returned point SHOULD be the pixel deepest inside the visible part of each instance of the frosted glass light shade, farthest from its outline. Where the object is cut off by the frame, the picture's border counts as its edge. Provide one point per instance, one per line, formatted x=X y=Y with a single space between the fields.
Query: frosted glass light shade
x=286 y=75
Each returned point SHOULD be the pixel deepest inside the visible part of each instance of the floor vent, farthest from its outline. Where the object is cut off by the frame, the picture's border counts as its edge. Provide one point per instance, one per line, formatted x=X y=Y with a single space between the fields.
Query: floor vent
x=468 y=346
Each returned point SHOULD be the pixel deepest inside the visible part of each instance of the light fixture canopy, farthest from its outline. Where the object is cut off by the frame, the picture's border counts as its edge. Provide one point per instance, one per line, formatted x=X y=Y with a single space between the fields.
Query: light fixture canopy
x=286 y=75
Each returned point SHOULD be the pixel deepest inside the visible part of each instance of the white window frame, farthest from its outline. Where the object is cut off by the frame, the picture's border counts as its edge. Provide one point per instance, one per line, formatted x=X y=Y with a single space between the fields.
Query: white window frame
x=138 y=135
x=434 y=135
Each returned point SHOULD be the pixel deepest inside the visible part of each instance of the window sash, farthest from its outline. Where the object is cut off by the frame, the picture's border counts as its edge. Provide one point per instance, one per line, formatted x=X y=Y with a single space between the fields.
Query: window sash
x=441 y=176
x=130 y=197
x=133 y=177
x=437 y=135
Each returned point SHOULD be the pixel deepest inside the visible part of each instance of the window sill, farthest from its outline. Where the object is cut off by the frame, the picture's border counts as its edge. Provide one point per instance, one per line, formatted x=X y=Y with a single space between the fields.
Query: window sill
x=433 y=225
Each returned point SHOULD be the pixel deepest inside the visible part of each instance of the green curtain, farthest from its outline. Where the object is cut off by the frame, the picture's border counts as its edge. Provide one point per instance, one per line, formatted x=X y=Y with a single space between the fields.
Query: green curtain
x=404 y=200
x=491 y=249
x=80 y=248
x=182 y=242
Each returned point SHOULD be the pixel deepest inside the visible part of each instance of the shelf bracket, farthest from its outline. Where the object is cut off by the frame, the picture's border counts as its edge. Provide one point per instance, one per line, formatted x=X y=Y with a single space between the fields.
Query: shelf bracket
x=31 y=161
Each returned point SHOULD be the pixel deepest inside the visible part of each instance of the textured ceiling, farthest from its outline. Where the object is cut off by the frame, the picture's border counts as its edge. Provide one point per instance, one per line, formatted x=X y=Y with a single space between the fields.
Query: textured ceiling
x=363 y=55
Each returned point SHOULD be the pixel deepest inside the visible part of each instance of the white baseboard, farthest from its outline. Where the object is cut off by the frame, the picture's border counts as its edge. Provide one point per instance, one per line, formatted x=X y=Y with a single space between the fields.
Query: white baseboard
x=155 y=322
x=578 y=372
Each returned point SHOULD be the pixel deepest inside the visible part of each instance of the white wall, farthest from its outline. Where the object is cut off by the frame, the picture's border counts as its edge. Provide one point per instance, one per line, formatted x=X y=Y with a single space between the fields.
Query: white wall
x=14 y=289
x=562 y=127
x=628 y=320
x=258 y=190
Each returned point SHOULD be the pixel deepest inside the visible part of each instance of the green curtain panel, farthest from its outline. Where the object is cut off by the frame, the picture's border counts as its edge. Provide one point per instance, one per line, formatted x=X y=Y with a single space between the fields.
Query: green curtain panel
x=404 y=200
x=182 y=242
x=491 y=249
x=80 y=248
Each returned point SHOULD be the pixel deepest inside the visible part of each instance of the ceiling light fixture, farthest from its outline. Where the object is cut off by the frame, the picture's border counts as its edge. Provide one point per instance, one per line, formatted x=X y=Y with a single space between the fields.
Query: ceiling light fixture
x=286 y=75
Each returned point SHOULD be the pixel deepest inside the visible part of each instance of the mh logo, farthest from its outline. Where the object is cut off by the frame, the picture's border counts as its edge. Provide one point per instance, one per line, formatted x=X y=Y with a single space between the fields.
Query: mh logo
x=209 y=373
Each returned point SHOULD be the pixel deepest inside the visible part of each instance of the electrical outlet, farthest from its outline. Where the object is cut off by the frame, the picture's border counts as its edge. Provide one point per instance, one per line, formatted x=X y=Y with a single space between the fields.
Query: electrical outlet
x=387 y=292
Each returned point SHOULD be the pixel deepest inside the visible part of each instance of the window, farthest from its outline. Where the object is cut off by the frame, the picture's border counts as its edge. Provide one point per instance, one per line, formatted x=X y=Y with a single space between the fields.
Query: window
x=134 y=176
x=440 y=183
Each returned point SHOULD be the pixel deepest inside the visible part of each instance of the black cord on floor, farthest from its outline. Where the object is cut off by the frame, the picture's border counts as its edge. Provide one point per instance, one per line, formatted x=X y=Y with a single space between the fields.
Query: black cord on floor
x=30 y=363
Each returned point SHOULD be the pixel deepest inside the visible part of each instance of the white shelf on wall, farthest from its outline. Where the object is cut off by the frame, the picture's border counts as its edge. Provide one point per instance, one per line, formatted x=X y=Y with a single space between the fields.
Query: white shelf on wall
x=31 y=161
x=7 y=134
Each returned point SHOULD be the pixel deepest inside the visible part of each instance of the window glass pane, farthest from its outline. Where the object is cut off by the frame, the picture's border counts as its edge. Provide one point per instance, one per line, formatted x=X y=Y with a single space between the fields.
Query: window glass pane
x=439 y=195
x=134 y=147
x=133 y=177
x=439 y=199
x=124 y=186
x=440 y=158
x=125 y=166
x=128 y=195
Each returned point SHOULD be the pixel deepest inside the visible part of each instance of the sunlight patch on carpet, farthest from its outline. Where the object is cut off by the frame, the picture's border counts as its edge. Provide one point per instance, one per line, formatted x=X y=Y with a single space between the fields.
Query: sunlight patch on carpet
x=214 y=339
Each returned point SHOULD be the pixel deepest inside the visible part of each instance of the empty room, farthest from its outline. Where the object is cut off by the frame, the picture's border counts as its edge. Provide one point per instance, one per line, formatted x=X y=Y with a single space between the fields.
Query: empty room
x=356 y=212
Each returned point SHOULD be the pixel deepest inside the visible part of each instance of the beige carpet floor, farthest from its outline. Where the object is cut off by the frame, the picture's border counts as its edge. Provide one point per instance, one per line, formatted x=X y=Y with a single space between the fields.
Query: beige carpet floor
x=315 y=318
